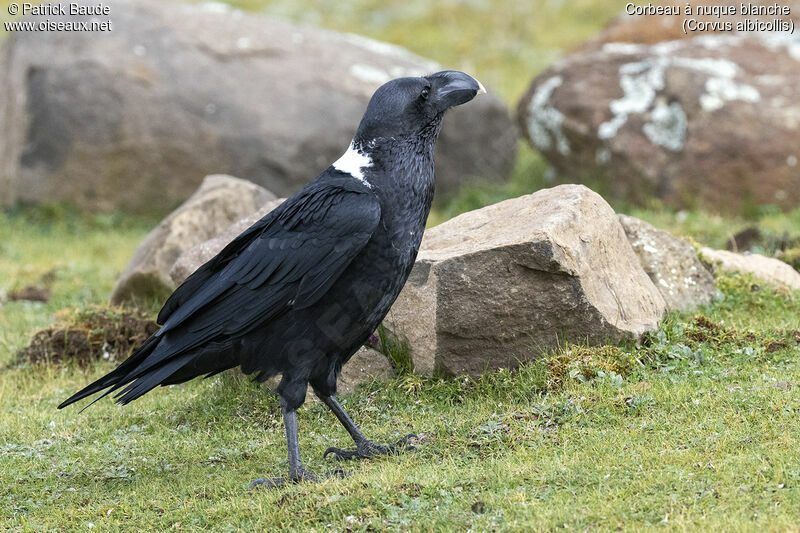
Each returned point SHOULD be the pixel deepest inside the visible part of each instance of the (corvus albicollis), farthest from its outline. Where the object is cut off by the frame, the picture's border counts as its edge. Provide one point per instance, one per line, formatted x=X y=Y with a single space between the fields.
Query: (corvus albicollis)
x=302 y=289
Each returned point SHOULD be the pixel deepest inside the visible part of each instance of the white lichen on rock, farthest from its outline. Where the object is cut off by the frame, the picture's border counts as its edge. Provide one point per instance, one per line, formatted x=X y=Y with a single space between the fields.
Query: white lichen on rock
x=368 y=73
x=790 y=42
x=545 y=122
x=623 y=48
x=667 y=126
x=721 y=90
x=641 y=81
x=602 y=156
x=391 y=51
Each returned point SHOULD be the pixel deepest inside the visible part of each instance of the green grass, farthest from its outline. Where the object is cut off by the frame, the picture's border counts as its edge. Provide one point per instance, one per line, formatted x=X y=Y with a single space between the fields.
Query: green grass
x=77 y=256
x=694 y=429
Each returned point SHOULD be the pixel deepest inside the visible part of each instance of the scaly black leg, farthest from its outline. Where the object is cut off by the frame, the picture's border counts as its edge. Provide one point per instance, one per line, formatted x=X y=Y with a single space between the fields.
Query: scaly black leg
x=365 y=448
x=296 y=471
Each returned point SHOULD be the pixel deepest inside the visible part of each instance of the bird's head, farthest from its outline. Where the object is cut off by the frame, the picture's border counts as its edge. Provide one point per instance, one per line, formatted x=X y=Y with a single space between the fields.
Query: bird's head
x=407 y=107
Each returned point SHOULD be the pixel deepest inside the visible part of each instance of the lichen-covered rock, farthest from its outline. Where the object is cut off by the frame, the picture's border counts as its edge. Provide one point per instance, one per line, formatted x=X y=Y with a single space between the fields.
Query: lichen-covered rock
x=713 y=120
x=501 y=284
x=134 y=118
x=671 y=263
x=768 y=269
x=220 y=201
x=191 y=259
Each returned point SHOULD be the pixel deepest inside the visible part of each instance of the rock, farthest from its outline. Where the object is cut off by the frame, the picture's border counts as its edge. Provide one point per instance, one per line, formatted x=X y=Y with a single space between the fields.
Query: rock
x=711 y=121
x=745 y=239
x=133 y=118
x=504 y=283
x=671 y=263
x=366 y=364
x=194 y=257
x=30 y=293
x=771 y=270
x=218 y=202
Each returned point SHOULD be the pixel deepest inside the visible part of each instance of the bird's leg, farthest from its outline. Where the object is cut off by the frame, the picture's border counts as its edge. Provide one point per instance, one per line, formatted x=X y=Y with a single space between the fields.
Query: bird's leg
x=296 y=471
x=365 y=448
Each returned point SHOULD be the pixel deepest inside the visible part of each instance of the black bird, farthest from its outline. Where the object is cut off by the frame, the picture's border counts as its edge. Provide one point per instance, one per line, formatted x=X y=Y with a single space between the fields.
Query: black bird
x=302 y=289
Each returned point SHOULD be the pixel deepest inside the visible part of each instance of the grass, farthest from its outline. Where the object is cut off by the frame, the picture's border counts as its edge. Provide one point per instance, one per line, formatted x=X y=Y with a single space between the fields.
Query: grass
x=77 y=256
x=696 y=428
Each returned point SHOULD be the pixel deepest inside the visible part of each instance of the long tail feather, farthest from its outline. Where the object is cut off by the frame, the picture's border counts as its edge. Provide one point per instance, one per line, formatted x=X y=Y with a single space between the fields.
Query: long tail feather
x=115 y=376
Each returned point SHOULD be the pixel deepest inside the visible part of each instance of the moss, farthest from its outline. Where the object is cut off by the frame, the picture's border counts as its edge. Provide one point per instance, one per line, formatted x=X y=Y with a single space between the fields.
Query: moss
x=584 y=363
x=87 y=335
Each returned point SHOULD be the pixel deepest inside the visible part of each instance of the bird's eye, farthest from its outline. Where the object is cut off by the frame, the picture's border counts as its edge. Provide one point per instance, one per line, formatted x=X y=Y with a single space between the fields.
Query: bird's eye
x=425 y=92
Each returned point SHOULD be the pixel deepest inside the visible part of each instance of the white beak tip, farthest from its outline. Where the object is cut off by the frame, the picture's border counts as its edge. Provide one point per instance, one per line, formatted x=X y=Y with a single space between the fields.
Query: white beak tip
x=481 y=88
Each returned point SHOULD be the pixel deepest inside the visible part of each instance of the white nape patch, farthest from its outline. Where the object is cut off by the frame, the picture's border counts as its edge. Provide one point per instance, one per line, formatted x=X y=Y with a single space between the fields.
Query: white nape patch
x=352 y=162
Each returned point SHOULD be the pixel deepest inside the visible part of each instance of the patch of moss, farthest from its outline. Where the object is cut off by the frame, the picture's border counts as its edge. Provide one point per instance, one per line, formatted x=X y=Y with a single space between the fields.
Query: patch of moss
x=584 y=363
x=87 y=335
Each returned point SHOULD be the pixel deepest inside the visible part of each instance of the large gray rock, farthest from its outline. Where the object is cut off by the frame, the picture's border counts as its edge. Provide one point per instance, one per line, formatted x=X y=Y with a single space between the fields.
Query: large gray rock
x=220 y=201
x=191 y=259
x=133 y=118
x=773 y=271
x=712 y=120
x=503 y=283
x=671 y=263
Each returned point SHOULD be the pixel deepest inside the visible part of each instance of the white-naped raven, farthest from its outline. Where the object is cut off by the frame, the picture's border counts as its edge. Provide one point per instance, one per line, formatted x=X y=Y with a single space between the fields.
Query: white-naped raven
x=302 y=289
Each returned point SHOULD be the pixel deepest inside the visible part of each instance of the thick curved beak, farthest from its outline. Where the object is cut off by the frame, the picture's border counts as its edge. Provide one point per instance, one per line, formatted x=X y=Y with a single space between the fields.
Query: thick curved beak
x=451 y=88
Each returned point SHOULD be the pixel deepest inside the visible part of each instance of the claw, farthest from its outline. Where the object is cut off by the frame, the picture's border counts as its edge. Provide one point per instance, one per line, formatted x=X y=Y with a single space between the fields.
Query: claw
x=341 y=455
x=366 y=449
x=268 y=483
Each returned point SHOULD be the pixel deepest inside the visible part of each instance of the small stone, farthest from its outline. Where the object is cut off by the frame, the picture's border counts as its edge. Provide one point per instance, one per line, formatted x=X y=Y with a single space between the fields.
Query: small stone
x=671 y=263
x=773 y=271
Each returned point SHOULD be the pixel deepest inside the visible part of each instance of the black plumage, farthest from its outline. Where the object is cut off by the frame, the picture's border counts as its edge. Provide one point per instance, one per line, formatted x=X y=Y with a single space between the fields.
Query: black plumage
x=302 y=289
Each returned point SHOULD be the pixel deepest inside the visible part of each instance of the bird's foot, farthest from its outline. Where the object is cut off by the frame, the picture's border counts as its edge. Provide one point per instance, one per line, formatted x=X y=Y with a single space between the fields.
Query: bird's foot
x=366 y=449
x=296 y=477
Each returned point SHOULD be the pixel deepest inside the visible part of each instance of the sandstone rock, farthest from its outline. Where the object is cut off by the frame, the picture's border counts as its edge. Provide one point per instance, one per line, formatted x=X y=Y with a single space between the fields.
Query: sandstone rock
x=771 y=270
x=191 y=259
x=366 y=364
x=133 y=118
x=711 y=121
x=218 y=202
x=503 y=283
x=671 y=263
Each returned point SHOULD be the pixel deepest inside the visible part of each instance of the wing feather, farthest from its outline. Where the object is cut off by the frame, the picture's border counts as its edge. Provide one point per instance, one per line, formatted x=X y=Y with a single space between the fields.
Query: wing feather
x=288 y=259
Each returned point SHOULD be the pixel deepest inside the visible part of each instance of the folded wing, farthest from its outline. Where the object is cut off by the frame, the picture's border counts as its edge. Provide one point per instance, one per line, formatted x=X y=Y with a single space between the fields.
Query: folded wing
x=287 y=260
